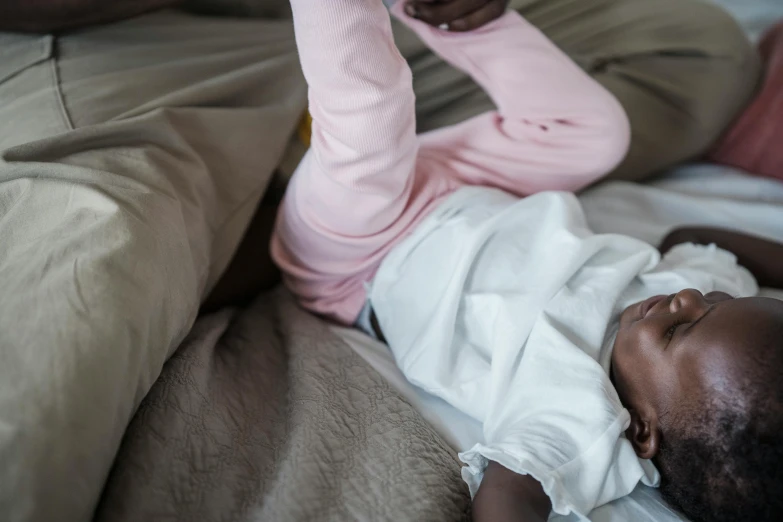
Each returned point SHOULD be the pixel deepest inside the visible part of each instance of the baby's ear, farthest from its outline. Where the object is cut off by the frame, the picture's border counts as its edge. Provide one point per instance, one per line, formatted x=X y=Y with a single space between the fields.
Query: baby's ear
x=644 y=434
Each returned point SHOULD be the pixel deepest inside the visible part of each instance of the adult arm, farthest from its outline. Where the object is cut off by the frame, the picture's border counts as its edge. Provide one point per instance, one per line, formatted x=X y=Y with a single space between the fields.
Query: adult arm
x=505 y=496
x=44 y=16
x=762 y=257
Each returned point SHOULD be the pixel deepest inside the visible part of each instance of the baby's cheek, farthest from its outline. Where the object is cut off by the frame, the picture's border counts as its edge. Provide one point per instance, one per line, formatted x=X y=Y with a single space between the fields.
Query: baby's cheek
x=639 y=342
x=627 y=358
x=650 y=358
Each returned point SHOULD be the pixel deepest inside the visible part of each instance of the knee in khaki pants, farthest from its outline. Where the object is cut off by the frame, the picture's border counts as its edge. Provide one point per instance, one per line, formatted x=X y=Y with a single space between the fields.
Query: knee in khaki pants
x=132 y=157
x=682 y=69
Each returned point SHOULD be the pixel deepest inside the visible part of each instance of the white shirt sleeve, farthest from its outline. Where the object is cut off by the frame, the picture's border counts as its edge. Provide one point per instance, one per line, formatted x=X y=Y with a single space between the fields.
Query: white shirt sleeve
x=563 y=425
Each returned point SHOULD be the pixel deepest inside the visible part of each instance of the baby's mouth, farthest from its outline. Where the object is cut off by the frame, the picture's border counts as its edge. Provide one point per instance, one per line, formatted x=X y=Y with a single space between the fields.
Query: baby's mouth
x=645 y=307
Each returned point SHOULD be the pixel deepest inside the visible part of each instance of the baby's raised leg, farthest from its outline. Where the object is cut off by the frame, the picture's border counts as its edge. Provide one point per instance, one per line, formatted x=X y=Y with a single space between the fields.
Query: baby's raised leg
x=555 y=127
x=349 y=199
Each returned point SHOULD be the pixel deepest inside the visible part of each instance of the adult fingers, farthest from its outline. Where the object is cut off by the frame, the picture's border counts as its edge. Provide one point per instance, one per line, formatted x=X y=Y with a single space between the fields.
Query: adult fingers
x=492 y=10
x=439 y=13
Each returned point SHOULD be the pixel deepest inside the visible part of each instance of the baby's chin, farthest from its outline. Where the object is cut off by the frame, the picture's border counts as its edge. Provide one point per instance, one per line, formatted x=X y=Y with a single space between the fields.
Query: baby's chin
x=614 y=369
x=628 y=318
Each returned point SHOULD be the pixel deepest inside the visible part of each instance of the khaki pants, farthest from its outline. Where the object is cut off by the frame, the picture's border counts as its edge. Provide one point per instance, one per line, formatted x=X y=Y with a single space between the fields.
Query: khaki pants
x=682 y=70
x=133 y=155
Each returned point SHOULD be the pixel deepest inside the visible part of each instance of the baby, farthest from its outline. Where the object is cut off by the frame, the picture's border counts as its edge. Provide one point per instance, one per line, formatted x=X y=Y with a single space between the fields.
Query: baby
x=509 y=307
x=700 y=376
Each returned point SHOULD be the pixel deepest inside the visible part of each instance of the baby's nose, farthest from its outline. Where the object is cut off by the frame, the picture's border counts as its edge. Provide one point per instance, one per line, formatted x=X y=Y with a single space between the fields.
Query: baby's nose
x=688 y=299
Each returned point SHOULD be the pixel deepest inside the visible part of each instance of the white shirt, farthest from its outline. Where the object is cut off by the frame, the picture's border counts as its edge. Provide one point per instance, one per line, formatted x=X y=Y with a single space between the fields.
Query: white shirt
x=507 y=309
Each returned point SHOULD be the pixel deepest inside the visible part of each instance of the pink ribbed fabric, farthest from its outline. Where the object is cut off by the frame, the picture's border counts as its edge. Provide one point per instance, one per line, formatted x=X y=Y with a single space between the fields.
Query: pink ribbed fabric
x=368 y=179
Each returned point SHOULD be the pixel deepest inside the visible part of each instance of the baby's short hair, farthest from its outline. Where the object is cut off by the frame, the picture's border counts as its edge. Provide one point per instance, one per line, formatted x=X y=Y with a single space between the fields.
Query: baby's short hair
x=723 y=461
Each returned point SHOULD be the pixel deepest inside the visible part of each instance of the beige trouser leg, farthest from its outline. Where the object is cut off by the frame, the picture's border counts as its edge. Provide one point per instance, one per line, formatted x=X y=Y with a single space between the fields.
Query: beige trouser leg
x=131 y=158
x=681 y=68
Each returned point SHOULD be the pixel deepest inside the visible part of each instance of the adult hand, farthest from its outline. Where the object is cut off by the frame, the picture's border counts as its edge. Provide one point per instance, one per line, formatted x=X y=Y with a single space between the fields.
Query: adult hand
x=456 y=15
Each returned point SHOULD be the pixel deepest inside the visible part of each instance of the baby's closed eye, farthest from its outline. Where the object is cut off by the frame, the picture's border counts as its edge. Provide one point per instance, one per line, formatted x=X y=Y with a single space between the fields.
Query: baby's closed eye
x=673 y=329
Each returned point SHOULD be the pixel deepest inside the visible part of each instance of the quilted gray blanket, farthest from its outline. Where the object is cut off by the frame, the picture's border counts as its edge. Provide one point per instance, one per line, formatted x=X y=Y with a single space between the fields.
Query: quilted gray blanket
x=263 y=414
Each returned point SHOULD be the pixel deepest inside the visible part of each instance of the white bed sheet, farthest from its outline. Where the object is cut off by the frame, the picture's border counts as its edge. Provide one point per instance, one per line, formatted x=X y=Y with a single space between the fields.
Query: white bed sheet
x=756 y=16
x=696 y=194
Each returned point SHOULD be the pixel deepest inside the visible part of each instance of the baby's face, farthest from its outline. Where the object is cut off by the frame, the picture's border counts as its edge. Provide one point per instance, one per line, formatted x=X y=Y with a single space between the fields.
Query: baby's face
x=689 y=347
